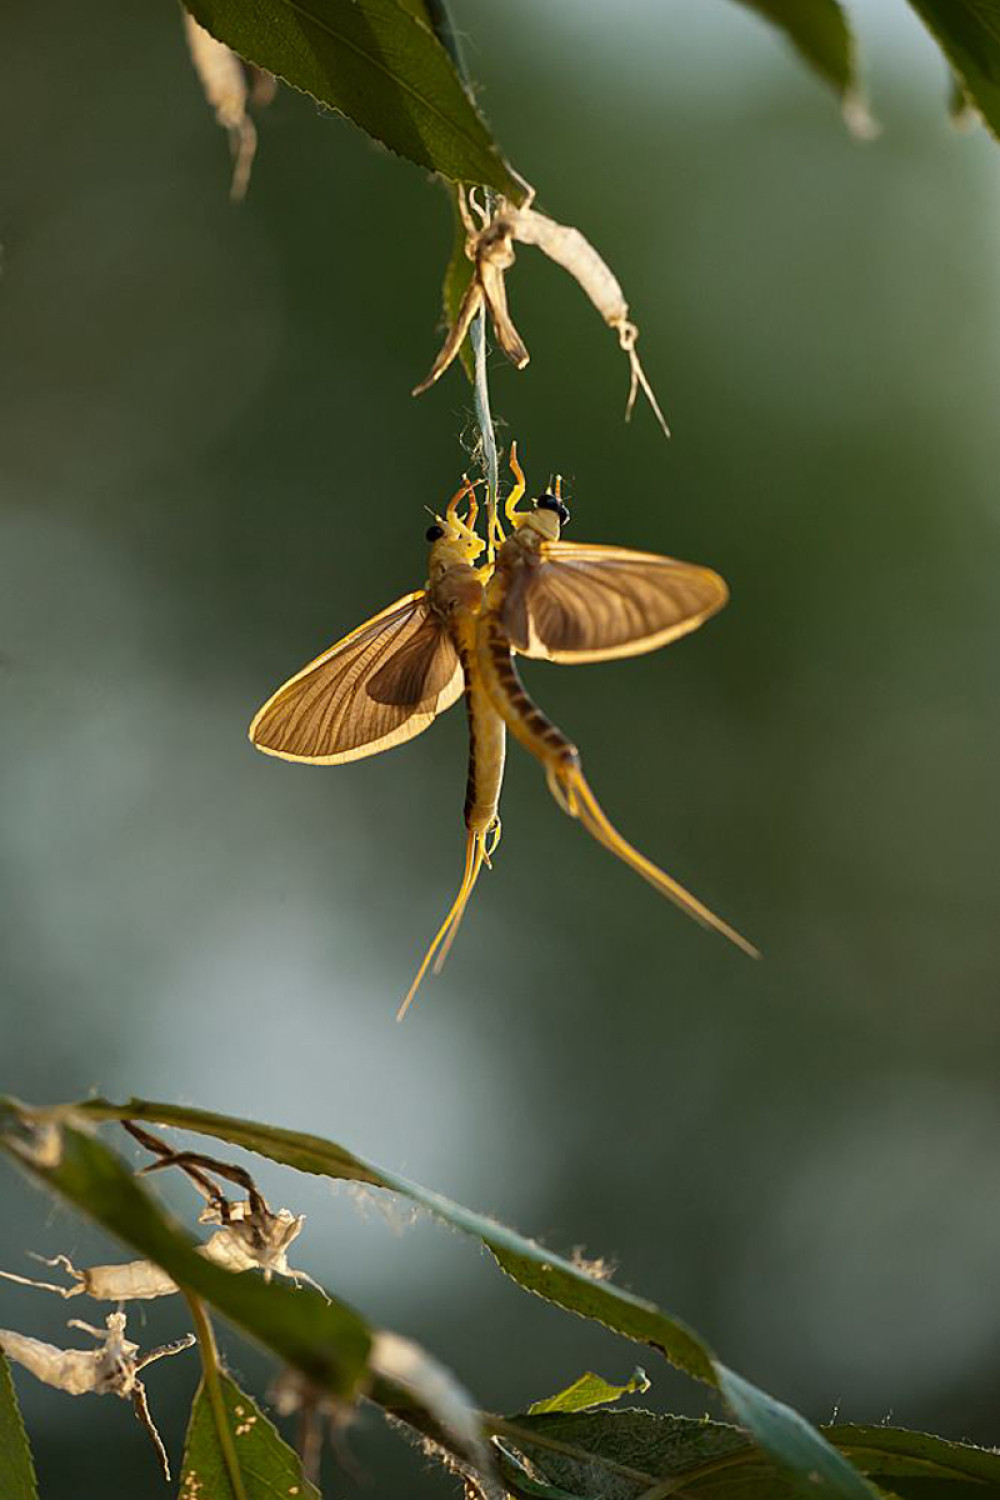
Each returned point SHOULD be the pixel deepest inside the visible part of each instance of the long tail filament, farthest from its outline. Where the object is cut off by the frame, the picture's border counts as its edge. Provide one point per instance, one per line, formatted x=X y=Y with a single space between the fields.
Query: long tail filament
x=570 y=789
x=476 y=855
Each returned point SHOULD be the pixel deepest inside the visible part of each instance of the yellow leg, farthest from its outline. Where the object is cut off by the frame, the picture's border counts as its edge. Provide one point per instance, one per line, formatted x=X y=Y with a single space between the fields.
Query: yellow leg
x=475 y=853
x=468 y=487
x=517 y=492
x=497 y=537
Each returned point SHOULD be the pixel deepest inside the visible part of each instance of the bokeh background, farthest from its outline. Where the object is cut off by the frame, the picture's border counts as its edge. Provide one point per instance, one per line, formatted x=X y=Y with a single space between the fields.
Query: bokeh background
x=213 y=468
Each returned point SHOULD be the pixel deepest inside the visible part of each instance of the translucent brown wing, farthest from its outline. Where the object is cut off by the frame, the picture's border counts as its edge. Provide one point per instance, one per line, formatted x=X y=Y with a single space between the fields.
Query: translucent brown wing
x=581 y=603
x=380 y=685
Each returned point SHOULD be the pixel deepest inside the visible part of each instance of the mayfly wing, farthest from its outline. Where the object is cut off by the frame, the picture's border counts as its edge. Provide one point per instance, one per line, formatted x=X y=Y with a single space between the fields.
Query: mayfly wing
x=579 y=603
x=379 y=686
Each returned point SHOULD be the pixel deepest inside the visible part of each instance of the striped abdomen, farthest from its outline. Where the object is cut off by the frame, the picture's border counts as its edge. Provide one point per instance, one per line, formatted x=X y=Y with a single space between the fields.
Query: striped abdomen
x=523 y=717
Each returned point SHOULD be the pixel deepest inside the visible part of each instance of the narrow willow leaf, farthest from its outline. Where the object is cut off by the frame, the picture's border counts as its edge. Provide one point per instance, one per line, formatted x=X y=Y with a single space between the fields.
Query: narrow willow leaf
x=968 y=33
x=17 y=1472
x=785 y=1436
x=919 y=1465
x=631 y=1454
x=268 y=1467
x=416 y=1378
x=625 y=1455
x=962 y=113
x=589 y=1391
x=820 y=33
x=377 y=63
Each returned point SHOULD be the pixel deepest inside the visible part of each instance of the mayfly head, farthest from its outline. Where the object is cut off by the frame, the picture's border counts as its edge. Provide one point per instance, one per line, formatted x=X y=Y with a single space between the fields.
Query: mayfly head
x=551 y=512
x=453 y=538
x=548 y=513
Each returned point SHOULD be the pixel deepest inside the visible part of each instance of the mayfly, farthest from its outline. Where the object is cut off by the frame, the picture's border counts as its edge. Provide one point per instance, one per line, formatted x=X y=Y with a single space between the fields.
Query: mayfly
x=575 y=602
x=388 y=680
x=111 y=1369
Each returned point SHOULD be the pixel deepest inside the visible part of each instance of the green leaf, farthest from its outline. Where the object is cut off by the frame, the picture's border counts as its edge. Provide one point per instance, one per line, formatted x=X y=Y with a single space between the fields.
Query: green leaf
x=268 y=1467
x=624 y=1455
x=819 y=32
x=377 y=63
x=590 y=1390
x=968 y=33
x=781 y=1432
x=406 y=1380
x=962 y=113
x=457 y=275
x=17 y=1472
x=787 y=1437
x=918 y=1465
x=520 y=1485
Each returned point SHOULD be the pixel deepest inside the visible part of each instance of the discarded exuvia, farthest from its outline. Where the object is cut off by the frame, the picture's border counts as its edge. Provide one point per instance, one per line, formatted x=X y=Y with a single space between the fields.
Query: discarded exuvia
x=490 y=247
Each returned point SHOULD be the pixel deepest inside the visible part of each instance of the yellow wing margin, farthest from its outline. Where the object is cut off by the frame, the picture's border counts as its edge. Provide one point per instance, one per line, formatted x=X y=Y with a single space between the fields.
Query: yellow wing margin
x=381 y=685
x=585 y=603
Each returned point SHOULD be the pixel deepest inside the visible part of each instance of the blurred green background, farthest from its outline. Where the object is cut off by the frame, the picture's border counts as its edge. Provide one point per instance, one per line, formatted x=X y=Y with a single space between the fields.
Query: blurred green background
x=213 y=468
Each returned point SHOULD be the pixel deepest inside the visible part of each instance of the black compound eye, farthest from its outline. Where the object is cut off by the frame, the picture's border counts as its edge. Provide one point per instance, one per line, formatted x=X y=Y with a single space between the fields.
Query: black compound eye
x=552 y=502
x=434 y=533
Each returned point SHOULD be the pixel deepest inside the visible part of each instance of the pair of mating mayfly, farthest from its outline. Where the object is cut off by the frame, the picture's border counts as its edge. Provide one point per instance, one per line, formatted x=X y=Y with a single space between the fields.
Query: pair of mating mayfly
x=541 y=597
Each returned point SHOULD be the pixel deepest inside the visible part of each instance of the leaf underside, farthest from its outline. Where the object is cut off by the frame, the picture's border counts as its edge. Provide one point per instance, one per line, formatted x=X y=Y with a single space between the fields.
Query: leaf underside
x=819 y=32
x=377 y=63
x=622 y=1455
x=968 y=32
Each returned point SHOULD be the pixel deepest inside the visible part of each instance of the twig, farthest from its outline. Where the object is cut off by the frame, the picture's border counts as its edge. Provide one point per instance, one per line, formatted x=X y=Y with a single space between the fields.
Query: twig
x=444 y=29
x=213 y=1390
x=488 y=437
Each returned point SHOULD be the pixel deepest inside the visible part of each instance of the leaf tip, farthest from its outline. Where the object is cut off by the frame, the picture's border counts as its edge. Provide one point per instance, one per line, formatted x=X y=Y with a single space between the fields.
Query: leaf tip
x=858 y=117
